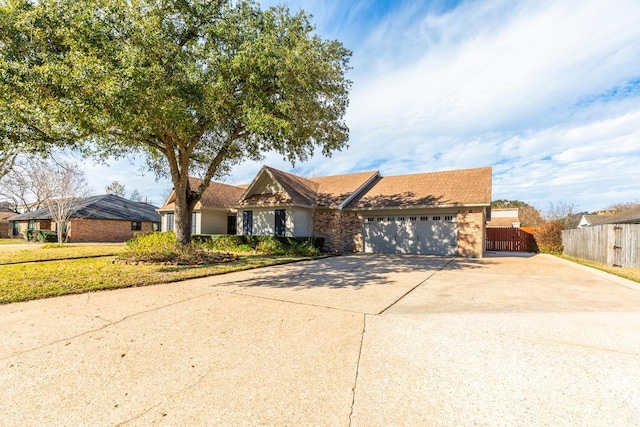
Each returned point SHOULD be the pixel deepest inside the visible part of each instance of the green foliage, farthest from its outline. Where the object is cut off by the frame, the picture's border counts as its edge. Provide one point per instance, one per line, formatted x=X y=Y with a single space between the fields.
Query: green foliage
x=149 y=241
x=165 y=248
x=46 y=236
x=270 y=246
x=267 y=245
x=195 y=86
x=40 y=235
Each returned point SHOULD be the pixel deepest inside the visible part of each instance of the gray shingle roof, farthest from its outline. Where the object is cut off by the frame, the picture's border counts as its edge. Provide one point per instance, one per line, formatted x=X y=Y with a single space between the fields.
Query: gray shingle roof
x=631 y=216
x=105 y=206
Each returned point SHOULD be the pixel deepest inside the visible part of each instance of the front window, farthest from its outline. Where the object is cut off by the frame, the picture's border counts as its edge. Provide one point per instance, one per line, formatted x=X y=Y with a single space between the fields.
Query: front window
x=16 y=228
x=156 y=226
x=280 y=222
x=32 y=224
x=194 y=218
x=170 y=219
x=136 y=225
x=247 y=223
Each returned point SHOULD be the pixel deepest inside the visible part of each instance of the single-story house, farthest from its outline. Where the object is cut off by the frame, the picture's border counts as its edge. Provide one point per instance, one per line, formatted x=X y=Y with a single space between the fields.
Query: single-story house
x=504 y=217
x=103 y=218
x=5 y=225
x=630 y=216
x=440 y=213
x=213 y=214
x=587 y=220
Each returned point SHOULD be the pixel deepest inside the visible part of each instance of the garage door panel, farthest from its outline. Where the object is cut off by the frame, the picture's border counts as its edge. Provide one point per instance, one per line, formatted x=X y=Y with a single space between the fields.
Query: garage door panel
x=434 y=235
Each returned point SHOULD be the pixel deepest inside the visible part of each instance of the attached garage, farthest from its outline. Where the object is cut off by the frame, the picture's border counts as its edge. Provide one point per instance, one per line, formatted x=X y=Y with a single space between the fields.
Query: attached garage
x=424 y=234
x=434 y=213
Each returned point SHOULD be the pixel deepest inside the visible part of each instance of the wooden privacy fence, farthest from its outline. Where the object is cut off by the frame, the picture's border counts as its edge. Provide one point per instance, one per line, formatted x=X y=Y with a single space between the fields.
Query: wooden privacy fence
x=509 y=239
x=610 y=244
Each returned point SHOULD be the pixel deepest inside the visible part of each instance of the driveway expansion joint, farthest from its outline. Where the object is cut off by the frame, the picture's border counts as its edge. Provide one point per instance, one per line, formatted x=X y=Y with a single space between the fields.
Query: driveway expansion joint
x=416 y=286
x=355 y=380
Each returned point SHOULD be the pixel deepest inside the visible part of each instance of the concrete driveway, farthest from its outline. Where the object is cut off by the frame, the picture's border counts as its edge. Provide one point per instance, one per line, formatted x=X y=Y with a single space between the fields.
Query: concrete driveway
x=357 y=340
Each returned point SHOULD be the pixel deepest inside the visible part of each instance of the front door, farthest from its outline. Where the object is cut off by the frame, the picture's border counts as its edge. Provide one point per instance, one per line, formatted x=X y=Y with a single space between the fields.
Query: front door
x=231 y=224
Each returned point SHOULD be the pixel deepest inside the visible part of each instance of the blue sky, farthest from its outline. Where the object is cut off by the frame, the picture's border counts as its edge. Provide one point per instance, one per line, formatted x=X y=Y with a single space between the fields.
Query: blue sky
x=545 y=92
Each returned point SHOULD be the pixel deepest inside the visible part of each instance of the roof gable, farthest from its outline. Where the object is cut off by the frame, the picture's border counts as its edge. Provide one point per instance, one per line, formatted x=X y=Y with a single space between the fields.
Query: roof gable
x=432 y=189
x=335 y=190
x=272 y=187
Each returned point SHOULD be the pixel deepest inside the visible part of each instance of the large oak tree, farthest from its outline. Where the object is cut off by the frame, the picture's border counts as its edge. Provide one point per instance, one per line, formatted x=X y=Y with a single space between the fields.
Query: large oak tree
x=195 y=86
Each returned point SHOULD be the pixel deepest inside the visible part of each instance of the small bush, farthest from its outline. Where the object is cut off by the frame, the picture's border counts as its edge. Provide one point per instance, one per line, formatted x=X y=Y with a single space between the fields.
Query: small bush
x=548 y=237
x=164 y=248
x=269 y=245
x=46 y=236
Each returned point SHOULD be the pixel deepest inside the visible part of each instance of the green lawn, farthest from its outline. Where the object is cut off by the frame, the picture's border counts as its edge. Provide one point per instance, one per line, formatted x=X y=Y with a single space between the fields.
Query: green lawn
x=68 y=274
x=39 y=252
x=627 y=273
x=11 y=241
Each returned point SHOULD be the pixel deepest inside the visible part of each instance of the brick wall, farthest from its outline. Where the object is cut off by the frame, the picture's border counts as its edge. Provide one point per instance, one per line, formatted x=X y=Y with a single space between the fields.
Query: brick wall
x=5 y=229
x=342 y=231
x=102 y=230
x=471 y=232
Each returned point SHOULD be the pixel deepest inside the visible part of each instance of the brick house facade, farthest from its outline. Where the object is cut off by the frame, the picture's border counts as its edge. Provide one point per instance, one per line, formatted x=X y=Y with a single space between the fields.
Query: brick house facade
x=440 y=213
x=105 y=218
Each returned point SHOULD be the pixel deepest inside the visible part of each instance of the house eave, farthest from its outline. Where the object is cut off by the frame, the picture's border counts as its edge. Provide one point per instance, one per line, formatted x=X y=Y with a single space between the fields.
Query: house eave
x=276 y=206
x=418 y=207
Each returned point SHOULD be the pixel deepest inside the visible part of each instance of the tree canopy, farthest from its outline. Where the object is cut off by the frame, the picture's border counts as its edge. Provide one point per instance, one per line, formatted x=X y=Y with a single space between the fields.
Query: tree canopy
x=195 y=85
x=529 y=215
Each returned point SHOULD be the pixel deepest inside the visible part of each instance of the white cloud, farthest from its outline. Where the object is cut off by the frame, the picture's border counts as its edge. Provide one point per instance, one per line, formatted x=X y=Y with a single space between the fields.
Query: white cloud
x=528 y=87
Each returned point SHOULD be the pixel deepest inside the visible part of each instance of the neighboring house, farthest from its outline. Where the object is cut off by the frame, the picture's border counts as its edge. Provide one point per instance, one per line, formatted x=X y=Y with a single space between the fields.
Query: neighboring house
x=213 y=214
x=440 y=213
x=631 y=216
x=104 y=218
x=5 y=224
x=504 y=217
x=590 y=220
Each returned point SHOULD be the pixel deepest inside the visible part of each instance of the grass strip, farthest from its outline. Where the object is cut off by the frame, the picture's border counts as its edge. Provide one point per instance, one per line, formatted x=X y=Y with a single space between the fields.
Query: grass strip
x=13 y=255
x=627 y=273
x=11 y=241
x=22 y=282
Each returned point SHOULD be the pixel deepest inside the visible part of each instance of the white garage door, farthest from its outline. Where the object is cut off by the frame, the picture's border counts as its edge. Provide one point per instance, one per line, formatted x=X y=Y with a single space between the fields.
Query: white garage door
x=427 y=234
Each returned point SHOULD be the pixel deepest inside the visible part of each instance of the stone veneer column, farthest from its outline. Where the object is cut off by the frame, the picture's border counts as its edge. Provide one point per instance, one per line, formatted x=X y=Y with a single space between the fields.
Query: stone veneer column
x=342 y=231
x=471 y=232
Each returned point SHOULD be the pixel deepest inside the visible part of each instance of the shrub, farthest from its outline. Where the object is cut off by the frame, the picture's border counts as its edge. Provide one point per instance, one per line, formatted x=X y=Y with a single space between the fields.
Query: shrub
x=548 y=237
x=46 y=236
x=164 y=248
x=269 y=245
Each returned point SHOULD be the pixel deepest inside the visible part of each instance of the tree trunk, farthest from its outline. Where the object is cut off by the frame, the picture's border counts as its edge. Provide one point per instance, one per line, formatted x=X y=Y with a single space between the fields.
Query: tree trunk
x=184 y=204
x=60 y=232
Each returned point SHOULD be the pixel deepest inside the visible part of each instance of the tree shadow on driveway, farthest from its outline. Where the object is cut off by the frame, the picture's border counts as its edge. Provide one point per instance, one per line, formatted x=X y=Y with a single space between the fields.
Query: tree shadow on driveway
x=362 y=283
